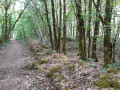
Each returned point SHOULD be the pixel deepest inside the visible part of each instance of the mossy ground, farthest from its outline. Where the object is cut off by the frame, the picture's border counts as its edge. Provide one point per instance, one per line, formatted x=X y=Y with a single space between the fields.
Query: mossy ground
x=107 y=81
x=64 y=70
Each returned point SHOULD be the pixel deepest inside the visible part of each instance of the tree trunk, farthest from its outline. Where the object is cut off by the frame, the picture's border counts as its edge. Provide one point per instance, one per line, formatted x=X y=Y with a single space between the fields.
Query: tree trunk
x=48 y=23
x=107 y=32
x=80 y=28
x=59 y=29
x=64 y=27
x=54 y=24
x=96 y=30
x=89 y=26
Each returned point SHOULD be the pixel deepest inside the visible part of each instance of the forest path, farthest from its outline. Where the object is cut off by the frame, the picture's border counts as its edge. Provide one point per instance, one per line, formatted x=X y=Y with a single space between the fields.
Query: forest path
x=12 y=62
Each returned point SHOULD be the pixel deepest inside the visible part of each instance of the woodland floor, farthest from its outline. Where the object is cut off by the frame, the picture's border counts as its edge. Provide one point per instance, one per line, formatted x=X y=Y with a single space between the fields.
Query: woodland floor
x=14 y=75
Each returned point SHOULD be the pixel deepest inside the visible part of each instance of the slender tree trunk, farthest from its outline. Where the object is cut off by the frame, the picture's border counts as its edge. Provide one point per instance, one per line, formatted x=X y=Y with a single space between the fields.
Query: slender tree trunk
x=80 y=28
x=60 y=27
x=107 y=32
x=6 y=20
x=24 y=35
x=54 y=24
x=96 y=30
x=64 y=27
x=48 y=23
x=114 y=43
x=89 y=27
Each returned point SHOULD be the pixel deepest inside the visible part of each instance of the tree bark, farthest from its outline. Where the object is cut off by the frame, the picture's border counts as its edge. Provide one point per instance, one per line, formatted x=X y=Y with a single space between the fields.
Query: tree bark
x=80 y=28
x=48 y=23
x=96 y=30
x=59 y=29
x=64 y=27
x=54 y=24
x=107 y=32
x=89 y=26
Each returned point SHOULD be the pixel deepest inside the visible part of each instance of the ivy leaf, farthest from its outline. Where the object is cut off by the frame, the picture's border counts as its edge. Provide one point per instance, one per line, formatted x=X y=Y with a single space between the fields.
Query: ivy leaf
x=84 y=80
x=104 y=70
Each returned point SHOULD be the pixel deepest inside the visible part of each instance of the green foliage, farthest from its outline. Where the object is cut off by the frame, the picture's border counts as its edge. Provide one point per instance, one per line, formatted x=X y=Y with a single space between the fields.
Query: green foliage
x=109 y=70
x=116 y=65
x=90 y=59
x=25 y=28
x=72 y=67
x=84 y=80
x=104 y=70
x=53 y=51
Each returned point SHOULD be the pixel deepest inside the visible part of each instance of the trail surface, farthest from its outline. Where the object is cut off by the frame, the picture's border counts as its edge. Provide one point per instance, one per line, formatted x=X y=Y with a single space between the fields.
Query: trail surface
x=12 y=62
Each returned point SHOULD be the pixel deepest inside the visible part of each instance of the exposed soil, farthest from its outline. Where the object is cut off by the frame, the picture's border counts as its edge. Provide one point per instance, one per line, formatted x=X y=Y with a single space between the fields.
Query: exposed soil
x=12 y=62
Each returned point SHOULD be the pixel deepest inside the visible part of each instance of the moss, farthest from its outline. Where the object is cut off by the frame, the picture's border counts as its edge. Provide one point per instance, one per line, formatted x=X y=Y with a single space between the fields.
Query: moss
x=96 y=75
x=59 y=86
x=72 y=67
x=66 y=80
x=53 y=76
x=84 y=66
x=66 y=63
x=112 y=70
x=61 y=77
x=80 y=62
x=49 y=74
x=67 y=88
x=64 y=58
x=54 y=81
x=54 y=69
x=31 y=47
x=43 y=61
x=107 y=81
x=37 y=57
x=31 y=66
x=56 y=56
x=48 y=51
x=37 y=54
x=37 y=46
x=39 y=68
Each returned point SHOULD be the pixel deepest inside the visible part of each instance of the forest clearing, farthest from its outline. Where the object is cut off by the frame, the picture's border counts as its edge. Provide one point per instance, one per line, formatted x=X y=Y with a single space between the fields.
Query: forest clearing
x=59 y=45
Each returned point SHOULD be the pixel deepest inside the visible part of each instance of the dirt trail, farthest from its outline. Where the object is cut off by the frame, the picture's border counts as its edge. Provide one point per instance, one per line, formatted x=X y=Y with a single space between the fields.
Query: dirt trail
x=12 y=74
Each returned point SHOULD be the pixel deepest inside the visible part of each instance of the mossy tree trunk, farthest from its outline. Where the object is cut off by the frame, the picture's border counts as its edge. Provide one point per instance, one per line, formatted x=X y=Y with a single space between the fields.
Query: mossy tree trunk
x=80 y=29
x=107 y=33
